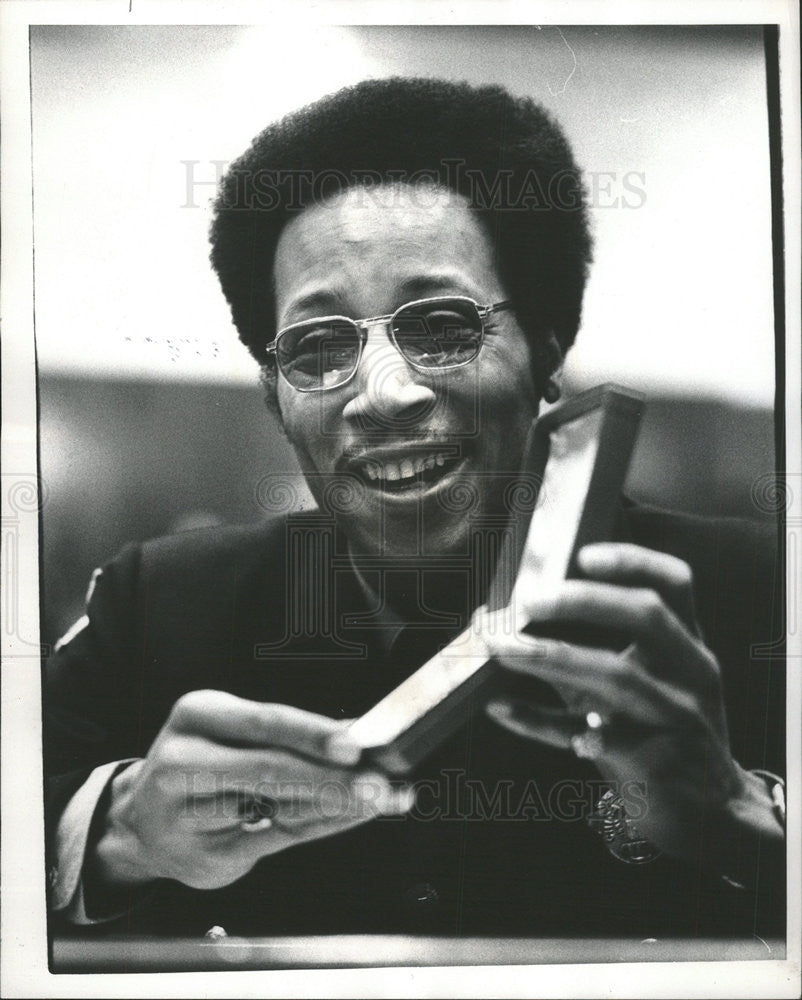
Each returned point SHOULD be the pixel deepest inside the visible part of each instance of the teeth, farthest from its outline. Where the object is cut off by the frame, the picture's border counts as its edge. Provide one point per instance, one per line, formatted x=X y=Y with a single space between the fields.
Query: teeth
x=406 y=468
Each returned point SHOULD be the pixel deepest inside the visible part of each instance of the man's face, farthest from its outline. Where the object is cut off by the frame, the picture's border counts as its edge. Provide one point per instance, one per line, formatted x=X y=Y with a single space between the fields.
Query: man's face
x=415 y=446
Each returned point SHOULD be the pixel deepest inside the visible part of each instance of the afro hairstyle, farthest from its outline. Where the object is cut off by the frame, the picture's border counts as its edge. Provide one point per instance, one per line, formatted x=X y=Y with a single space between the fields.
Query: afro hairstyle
x=504 y=154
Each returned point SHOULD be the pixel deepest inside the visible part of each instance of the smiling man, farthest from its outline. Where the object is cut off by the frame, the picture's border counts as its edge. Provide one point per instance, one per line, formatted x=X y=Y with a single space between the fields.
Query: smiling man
x=406 y=259
x=401 y=410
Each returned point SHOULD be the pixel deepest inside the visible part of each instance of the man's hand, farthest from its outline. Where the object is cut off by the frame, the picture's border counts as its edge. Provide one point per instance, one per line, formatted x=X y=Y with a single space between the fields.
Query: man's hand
x=660 y=698
x=228 y=781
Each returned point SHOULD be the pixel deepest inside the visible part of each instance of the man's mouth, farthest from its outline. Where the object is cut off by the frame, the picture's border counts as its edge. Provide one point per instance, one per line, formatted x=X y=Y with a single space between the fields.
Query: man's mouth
x=408 y=472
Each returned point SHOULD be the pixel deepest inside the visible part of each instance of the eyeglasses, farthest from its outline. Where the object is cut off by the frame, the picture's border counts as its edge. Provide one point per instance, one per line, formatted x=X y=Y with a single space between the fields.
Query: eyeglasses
x=431 y=334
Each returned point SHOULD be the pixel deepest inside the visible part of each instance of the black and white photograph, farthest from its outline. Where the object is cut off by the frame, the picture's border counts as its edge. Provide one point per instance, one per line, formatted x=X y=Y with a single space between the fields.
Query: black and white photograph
x=402 y=502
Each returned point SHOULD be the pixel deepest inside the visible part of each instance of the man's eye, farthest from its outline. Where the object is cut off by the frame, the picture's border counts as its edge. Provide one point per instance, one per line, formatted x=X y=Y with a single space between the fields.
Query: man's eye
x=438 y=336
x=311 y=341
x=306 y=346
x=448 y=325
x=319 y=350
x=440 y=323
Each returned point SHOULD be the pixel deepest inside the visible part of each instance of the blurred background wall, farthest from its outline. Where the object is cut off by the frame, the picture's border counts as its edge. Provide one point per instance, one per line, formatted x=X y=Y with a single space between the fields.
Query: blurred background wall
x=151 y=418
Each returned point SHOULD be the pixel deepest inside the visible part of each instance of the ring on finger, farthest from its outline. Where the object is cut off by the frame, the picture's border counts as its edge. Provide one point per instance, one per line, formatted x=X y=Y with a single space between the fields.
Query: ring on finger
x=258 y=814
x=589 y=743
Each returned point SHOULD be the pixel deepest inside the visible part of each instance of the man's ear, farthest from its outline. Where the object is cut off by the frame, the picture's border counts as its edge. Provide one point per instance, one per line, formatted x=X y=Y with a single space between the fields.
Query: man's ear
x=554 y=366
x=268 y=381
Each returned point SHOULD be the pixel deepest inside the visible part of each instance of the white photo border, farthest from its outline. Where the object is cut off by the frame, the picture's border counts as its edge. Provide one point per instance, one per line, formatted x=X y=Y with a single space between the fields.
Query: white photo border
x=24 y=943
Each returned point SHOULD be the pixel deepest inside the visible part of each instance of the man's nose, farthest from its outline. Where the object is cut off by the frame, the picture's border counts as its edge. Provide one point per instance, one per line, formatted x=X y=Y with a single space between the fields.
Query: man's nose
x=387 y=391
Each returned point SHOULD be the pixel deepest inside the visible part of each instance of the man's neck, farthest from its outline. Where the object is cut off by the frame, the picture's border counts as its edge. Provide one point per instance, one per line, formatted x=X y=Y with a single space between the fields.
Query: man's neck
x=425 y=595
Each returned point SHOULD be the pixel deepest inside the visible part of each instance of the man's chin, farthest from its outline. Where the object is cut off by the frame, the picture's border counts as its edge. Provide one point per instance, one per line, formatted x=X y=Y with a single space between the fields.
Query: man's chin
x=418 y=521
x=398 y=537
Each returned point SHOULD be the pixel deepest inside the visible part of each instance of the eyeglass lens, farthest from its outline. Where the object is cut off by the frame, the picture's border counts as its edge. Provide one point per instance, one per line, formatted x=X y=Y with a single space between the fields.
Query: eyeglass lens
x=324 y=354
x=319 y=355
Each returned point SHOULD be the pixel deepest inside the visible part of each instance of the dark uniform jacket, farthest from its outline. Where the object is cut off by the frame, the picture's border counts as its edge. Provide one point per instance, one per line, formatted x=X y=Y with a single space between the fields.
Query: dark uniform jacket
x=498 y=843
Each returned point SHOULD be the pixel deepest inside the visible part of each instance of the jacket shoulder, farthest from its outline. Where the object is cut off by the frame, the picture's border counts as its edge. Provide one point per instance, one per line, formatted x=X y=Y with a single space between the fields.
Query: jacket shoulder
x=198 y=583
x=737 y=565
x=211 y=548
x=680 y=530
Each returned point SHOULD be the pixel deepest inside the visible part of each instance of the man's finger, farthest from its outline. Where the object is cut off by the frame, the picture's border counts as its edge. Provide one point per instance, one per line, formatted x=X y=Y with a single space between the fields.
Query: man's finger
x=365 y=797
x=190 y=766
x=635 y=566
x=640 y=613
x=547 y=725
x=592 y=679
x=239 y=784
x=583 y=676
x=227 y=719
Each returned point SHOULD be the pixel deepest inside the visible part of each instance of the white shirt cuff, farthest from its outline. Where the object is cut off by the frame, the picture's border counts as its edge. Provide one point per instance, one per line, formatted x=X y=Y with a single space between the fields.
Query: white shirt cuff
x=71 y=837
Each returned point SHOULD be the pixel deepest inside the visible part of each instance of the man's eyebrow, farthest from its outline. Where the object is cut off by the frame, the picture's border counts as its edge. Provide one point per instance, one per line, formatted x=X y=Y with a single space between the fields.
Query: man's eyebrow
x=422 y=285
x=320 y=300
x=329 y=301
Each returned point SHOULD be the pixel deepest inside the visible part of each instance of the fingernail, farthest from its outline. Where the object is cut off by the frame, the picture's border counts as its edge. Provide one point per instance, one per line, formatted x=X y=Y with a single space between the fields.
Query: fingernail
x=373 y=791
x=341 y=749
x=399 y=800
x=593 y=556
x=540 y=607
x=377 y=793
